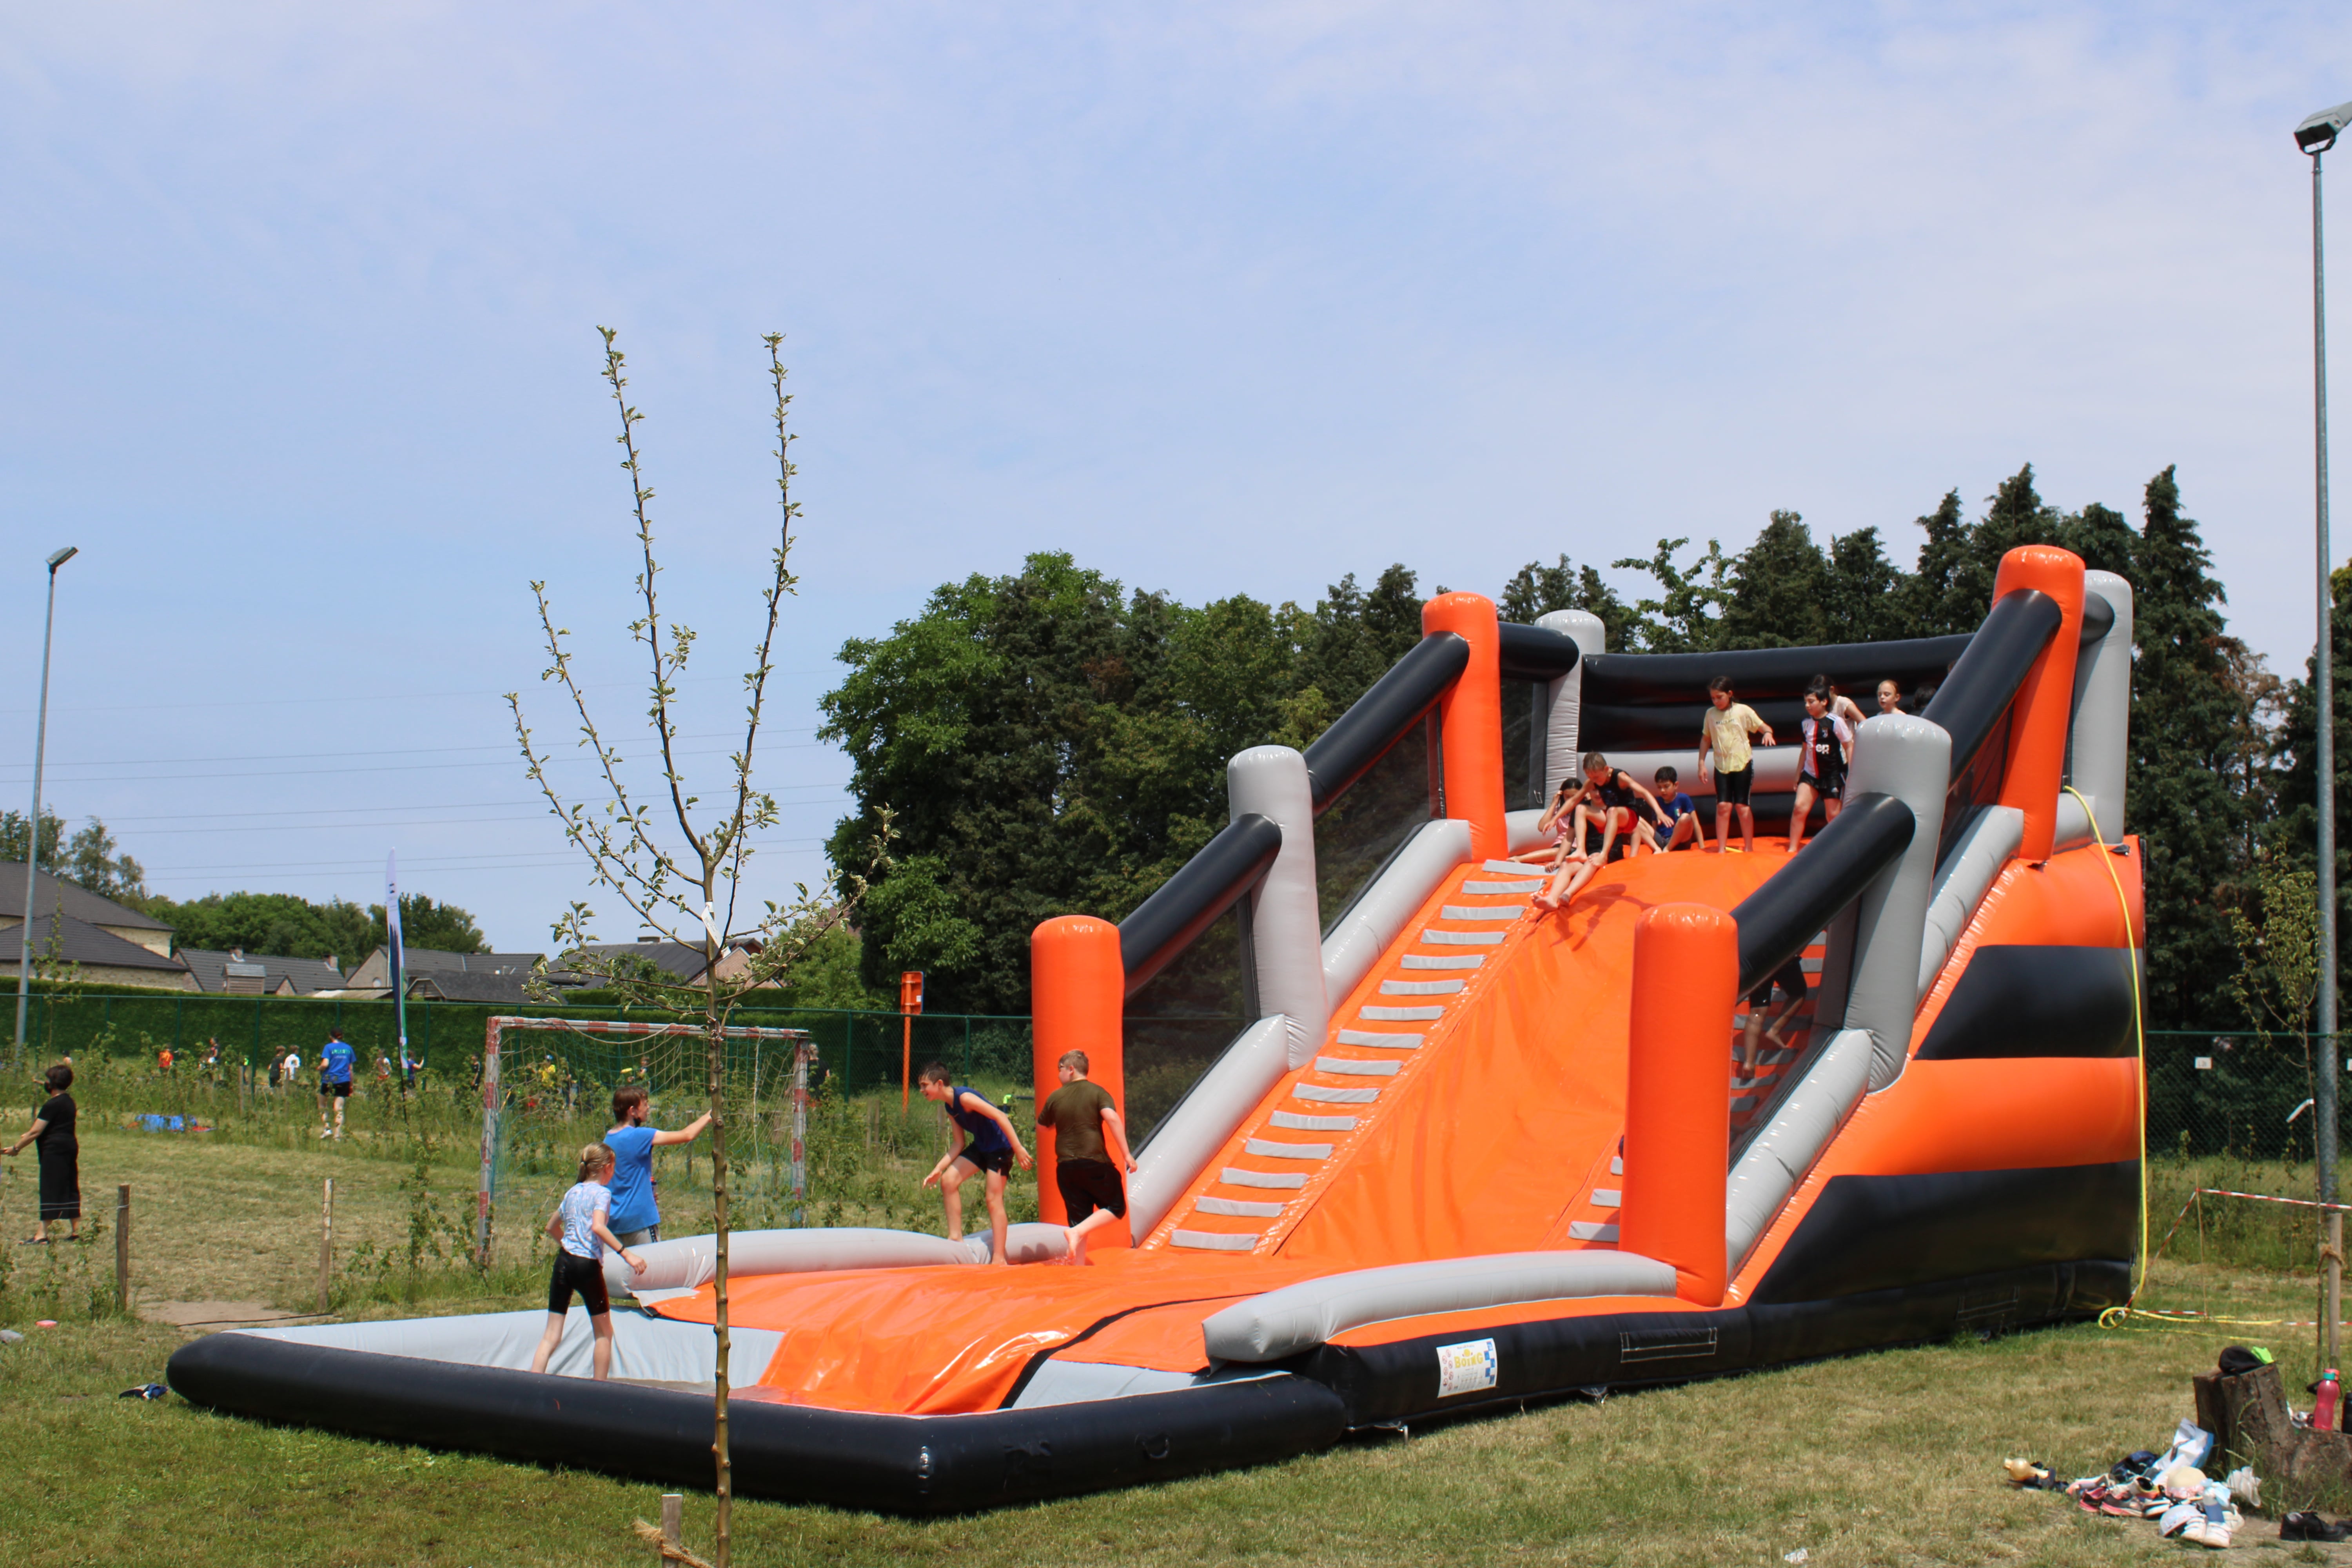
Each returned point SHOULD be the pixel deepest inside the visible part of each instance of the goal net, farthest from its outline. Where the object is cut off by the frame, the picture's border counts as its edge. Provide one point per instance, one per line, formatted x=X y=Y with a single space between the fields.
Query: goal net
x=546 y=1086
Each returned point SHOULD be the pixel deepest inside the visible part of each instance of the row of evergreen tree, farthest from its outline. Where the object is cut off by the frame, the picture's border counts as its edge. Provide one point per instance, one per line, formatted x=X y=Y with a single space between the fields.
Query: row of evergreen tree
x=1051 y=742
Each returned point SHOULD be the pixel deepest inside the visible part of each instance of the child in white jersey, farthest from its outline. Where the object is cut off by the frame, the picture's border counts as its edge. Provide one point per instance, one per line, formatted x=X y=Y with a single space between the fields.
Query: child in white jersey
x=582 y=1235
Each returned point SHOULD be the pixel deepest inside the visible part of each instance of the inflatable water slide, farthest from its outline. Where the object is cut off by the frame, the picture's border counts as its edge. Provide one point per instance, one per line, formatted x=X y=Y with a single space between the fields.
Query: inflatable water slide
x=1467 y=1153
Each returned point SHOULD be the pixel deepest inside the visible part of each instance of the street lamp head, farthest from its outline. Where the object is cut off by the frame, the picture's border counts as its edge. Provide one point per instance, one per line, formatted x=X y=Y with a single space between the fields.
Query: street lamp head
x=62 y=556
x=2317 y=133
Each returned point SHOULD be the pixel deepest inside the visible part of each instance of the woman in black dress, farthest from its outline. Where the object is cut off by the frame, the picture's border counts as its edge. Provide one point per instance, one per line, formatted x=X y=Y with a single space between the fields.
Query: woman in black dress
x=53 y=1130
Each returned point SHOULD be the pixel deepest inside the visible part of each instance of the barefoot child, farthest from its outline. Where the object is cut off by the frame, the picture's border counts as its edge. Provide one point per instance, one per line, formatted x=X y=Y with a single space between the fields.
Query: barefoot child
x=984 y=1142
x=1610 y=796
x=1789 y=979
x=1725 y=750
x=1679 y=813
x=582 y=1235
x=1086 y=1127
x=1825 y=744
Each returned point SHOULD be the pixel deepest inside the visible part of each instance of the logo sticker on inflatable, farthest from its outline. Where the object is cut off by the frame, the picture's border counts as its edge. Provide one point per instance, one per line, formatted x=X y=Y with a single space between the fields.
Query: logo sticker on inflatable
x=1464 y=1368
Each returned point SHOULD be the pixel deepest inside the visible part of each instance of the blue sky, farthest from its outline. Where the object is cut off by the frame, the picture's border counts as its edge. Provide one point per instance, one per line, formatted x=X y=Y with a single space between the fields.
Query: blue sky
x=301 y=341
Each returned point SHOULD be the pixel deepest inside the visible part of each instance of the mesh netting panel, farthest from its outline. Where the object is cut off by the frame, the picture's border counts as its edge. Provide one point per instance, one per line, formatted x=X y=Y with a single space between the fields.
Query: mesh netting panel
x=1179 y=1023
x=1365 y=826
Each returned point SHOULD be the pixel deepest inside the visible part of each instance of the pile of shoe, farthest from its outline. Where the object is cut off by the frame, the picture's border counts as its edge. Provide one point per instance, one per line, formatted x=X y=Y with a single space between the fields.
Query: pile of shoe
x=2170 y=1488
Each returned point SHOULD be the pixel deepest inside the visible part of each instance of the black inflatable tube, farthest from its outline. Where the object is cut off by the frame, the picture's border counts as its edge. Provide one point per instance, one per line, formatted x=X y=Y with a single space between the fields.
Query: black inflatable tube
x=1780 y=918
x=1536 y=653
x=1554 y=1357
x=1984 y=684
x=1189 y=902
x=2098 y=617
x=1637 y=679
x=898 y=1464
x=1394 y=704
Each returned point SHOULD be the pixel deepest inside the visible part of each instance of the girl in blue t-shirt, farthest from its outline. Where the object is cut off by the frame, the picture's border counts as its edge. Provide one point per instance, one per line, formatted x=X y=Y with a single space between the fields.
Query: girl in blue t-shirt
x=636 y=1207
x=984 y=1141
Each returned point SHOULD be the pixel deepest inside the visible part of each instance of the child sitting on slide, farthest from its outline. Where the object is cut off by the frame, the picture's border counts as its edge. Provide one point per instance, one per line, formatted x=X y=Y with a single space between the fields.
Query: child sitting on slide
x=1679 y=813
x=1611 y=798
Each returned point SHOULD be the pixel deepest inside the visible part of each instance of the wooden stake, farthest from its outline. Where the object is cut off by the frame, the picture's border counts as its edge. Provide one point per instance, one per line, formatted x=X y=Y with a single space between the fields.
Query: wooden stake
x=326 y=1242
x=673 y=1522
x=122 y=1249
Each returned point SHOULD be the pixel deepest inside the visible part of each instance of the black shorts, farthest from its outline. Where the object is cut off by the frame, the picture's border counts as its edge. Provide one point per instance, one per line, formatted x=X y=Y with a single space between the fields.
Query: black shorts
x=585 y=1275
x=1731 y=785
x=998 y=1160
x=1091 y=1184
x=1833 y=790
x=340 y=1090
x=1785 y=978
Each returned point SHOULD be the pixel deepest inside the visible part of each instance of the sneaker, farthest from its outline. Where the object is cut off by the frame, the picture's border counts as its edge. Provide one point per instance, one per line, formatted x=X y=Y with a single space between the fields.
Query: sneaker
x=325 y=1133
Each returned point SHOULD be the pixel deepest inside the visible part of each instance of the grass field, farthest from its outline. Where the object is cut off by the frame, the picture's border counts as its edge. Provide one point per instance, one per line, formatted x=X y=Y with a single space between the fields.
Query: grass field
x=1883 y=1458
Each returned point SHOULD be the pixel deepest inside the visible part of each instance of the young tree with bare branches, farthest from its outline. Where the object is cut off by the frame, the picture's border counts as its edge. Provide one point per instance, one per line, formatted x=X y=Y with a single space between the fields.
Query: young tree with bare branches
x=692 y=896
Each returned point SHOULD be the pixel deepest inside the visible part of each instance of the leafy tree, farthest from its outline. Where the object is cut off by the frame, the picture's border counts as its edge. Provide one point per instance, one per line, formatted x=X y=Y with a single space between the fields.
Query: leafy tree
x=90 y=858
x=827 y=975
x=1538 y=590
x=1779 y=590
x=1685 y=617
x=1864 y=591
x=1935 y=598
x=444 y=928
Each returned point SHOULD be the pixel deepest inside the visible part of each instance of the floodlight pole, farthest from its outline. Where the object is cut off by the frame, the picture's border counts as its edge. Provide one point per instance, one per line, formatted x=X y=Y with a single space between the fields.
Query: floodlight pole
x=33 y=822
x=2324 y=749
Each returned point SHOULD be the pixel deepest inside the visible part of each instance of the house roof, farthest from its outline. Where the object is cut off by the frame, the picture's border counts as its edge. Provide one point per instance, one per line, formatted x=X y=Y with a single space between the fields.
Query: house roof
x=307 y=974
x=463 y=985
x=426 y=960
x=79 y=942
x=80 y=903
x=674 y=959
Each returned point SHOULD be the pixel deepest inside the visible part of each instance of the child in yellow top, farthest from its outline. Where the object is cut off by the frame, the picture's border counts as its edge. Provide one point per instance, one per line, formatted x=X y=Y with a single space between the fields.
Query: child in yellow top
x=1725 y=732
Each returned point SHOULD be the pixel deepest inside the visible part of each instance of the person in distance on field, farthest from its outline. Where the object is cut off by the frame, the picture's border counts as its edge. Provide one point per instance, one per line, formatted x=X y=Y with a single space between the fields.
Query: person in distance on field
x=61 y=1157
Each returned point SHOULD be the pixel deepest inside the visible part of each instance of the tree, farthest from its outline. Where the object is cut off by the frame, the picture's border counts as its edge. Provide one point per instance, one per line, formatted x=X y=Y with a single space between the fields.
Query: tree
x=90 y=858
x=1538 y=590
x=1864 y=591
x=443 y=928
x=680 y=892
x=1685 y=617
x=2188 y=718
x=1779 y=593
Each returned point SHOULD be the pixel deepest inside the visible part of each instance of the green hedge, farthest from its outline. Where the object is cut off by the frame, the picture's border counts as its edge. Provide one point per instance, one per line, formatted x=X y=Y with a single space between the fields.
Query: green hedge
x=860 y=1049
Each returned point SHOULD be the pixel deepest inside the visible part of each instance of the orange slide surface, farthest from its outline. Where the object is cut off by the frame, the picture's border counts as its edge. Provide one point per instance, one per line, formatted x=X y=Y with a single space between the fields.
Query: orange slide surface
x=1483 y=1101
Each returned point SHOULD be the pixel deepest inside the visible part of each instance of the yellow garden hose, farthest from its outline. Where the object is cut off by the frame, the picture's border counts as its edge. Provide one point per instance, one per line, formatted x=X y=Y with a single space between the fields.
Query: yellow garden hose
x=2139 y=1042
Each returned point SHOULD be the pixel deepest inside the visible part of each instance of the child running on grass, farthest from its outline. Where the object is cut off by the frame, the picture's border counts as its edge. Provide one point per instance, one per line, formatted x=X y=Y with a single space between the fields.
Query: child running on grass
x=1086 y=1129
x=581 y=1235
x=984 y=1142
x=1825 y=744
x=1680 y=813
x=334 y=1083
x=1723 y=749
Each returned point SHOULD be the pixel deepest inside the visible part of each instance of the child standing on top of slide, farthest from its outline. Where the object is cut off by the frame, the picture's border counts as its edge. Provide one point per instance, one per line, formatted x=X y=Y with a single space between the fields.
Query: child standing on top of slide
x=1086 y=1127
x=984 y=1141
x=581 y=1234
x=1825 y=746
x=1725 y=732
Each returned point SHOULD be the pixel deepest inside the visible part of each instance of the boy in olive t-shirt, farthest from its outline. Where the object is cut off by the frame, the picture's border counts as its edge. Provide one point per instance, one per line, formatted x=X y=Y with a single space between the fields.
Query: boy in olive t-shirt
x=1086 y=1125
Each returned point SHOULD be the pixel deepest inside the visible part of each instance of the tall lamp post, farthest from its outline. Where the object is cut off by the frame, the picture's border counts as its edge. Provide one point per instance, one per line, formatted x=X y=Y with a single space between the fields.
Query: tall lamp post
x=33 y=822
x=2314 y=136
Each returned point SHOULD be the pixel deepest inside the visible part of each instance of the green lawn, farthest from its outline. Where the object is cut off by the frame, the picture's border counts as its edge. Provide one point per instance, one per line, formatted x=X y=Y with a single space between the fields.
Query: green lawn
x=1885 y=1459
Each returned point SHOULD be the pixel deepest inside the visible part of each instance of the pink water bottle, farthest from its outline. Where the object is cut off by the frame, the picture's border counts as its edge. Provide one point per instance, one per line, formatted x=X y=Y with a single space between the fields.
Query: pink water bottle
x=2330 y=1393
